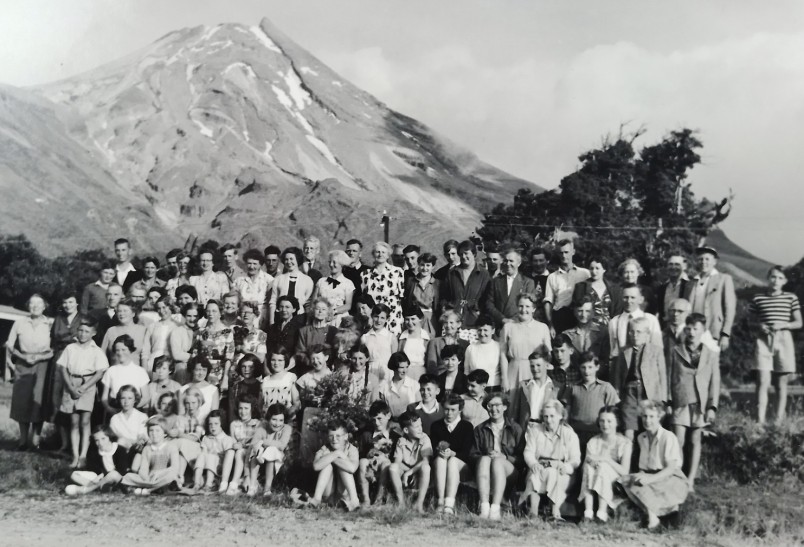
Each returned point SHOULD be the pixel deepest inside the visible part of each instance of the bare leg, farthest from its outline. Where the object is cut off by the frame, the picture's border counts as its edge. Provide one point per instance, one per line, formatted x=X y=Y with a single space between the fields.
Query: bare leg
x=681 y=435
x=395 y=475
x=762 y=394
x=484 y=479
x=781 y=392
x=75 y=437
x=424 y=484
x=348 y=481
x=383 y=482
x=588 y=506
x=270 y=472
x=25 y=428
x=226 y=470
x=534 y=504
x=695 y=455
x=239 y=462
x=454 y=468
x=363 y=482
x=210 y=483
x=323 y=485
x=501 y=469
x=36 y=433
x=85 y=433
x=441 y=466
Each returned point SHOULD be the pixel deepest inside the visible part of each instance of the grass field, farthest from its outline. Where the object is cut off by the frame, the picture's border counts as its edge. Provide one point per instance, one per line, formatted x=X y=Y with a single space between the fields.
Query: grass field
x=34 y=512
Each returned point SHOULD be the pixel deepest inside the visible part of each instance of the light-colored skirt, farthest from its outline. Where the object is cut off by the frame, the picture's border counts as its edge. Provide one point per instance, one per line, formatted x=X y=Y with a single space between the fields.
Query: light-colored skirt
x=601 y=481
x=156 y=479
x=660 y=498
x=550 y=482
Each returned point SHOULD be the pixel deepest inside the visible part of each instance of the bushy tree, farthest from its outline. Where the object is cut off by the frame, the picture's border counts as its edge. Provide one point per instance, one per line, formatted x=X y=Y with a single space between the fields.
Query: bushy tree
x=620 y=203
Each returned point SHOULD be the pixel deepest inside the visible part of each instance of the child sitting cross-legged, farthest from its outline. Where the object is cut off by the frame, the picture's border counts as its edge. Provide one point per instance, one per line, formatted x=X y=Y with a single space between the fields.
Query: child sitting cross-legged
x=452 y=440
x=375 y=446
x=107 y=462
x=268 y=446
x=241 y=430
x=216 y=455
x=411 y=458
x=159 y=463
x=336 y=464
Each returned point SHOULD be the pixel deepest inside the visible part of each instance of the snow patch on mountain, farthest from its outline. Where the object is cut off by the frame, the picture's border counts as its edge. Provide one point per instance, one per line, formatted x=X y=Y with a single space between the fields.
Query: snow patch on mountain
x=264 y=39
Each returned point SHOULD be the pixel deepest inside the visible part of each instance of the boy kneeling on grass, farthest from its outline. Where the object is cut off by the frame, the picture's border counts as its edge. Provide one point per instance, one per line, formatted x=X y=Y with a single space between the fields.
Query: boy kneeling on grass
x=411 y=458
x=453 y=438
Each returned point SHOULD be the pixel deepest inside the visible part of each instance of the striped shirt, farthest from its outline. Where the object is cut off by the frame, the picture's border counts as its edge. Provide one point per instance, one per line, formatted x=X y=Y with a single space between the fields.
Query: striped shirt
x=778 y=308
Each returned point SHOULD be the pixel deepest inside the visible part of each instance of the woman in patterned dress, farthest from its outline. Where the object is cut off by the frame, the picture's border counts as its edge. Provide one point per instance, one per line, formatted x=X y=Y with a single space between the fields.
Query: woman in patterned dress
x=385 y=284
x=606 y=297
x=216 y=342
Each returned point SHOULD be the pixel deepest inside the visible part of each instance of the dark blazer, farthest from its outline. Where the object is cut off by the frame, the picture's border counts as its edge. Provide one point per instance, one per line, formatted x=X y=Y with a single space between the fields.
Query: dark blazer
x=102 y=323
x=459 y=387
x=460 y=440
x=131 y=278
x=707 y=375
x=442 y=273
x=466 y=299
x=684 y=292
x=510 y=442
x=651 y=367
x=286 y=337
x=120 y=458
x=615 y=294
x=499 y=303
x=598 y=343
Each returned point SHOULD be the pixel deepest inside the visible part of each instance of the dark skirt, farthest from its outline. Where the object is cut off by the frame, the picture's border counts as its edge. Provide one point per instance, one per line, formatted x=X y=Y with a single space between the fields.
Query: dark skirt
x=27 y=396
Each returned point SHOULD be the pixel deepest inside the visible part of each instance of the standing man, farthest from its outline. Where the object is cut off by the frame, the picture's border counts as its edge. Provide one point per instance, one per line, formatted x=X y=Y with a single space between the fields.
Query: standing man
x=411 y=253
x=713 y=296
x=273 y=265
x=676 y=286
x=354 y=249
x=106 y=317
x=150 y=267
x=538 y=270
x=311 y=248
x=126 y=273
x=559 y=288
x=93 y=296
x=451 y=254
x=230 y=267
x=632 y=309
x=493 y=262
x=501 y=304
x=466 y=286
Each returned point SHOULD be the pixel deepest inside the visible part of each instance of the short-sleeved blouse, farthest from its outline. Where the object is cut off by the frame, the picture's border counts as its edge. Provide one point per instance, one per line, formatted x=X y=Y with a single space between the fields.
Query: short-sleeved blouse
x=278 y=390
x=660 y=452
x=386 y=288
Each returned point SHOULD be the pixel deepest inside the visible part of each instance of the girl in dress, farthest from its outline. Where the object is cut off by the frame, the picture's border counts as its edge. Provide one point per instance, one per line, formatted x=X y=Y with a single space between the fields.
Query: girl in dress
x=660 y=486
x=362 y=385
x=519 y=338
x=217 y=452
x=242 y=430
x=198 y=368
x=279 y=384
x=608 y=458
x=216 y=343
x=159 y=465
x=107 y=462
x=552 y=454
x=189 y=431
x=413 y=341
x=336 y=288
x=268 y=447
x=380 y=341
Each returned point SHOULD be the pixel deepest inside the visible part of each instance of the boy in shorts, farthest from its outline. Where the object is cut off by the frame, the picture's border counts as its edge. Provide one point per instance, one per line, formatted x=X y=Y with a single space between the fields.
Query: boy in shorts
x=694 y=388
x=336 y=464
x=411 y=458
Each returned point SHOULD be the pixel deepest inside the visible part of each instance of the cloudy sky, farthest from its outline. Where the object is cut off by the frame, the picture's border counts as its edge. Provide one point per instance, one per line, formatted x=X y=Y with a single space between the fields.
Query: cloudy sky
x=527 y=84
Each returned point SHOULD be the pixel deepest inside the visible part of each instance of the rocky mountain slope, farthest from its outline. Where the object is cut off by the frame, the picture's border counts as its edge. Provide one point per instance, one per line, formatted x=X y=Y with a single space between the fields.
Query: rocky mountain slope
x=232 y=133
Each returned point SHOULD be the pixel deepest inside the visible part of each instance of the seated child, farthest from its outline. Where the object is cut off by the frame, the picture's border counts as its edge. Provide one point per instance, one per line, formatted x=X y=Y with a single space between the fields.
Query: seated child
x=245 y=382
x=167 y=406
x=452 y=440
x=107 y=462
x=319 y=357
x=585 y=399
x=241 y=430
x=336 y=464
x=362 y=384
x=162 y=383
x=129 y=424
x=411 y=459
x=189 y=430
x=530 y=396
x=217 y=453
x=473 y=410
x=552 y=455
x=279 y=384
x=428 y=409
x=452 y=380
x=159 y=465
x=374 y=447
x=268 y=446
x=485 y=355
x=608 y=458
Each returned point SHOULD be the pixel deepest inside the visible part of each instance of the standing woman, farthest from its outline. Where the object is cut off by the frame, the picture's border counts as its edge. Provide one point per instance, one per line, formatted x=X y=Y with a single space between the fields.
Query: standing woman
x=336 y=288
x=216 y=343
x=385 y=284
x=606 y=297
x=520 y=338
x=630 y=271
x=28 y=346
x=291 y=282
x=62 y=334
x=660 y=486
x=156 y=335
x=210 y=285
x=182 y=274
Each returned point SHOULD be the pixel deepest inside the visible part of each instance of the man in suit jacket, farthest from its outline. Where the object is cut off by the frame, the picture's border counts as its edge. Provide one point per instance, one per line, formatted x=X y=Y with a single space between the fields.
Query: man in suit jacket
x=501 y=303
x=588 y=336
x=106 y=316
x=466 y=286
x=639 y=373
x=713 y=296
x=677 y=286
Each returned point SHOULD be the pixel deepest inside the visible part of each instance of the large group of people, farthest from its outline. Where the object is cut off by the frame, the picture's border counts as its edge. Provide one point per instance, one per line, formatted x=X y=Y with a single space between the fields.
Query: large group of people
x=555 y=390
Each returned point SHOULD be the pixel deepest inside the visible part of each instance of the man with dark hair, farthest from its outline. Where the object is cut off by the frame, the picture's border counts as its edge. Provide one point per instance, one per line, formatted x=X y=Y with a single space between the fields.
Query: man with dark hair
x=93 y=296
x=538 y=271
x=230 y=267
x=411 y=253
x=493 y=261
x=126 y=273
x=559 y=288
x=273 y=264
x=451 y=254
x=501 y=303
x=354 y=248
x=466 y=286
x=171 y=258
x=587 y=336
x=106 y=317
x=676 y=286
x=713 y=296
x=150 y=266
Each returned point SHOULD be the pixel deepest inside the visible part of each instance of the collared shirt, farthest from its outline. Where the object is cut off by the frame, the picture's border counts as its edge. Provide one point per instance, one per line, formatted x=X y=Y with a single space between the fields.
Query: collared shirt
x=253 y=289
x=32 y=336
x=412 y=451
x=399 y=396
x=81 y=360
x=122 y=273
x=561 y=283
x=451 y=426
x=509 y=282
x=380 y=345
x=564 y=377
x=146 y=285
x=698 y=295
x=661 y=452
x=415 y=347
x=585 y=401
x=561 y=445
x=234 y=274
x=213 y=285
x=618 y=330
x=537 y=395
x=424 y=295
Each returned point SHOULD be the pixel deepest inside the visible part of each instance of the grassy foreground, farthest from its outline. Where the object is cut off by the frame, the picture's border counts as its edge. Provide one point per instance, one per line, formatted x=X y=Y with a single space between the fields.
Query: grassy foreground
x=33 y=511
